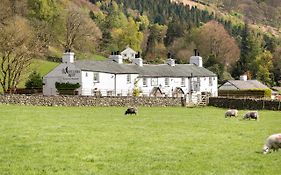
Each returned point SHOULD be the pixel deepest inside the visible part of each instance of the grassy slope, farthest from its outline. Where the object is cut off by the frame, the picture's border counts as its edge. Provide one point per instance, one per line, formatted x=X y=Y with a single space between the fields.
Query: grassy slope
x=41 y=66
x=96 y=140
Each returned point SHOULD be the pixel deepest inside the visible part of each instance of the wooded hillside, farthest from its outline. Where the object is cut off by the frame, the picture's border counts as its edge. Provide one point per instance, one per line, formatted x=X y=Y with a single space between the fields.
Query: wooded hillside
x=229 y=43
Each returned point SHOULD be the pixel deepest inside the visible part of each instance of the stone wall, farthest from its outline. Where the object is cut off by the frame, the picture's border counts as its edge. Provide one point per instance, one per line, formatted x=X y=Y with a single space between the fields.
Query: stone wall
x=236 y=103
x=39 y=100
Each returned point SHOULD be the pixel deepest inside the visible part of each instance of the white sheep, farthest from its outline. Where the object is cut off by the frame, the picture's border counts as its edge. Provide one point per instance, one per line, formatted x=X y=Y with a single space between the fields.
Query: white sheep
x=251 y=115
x=273 y=142
x=231 y=112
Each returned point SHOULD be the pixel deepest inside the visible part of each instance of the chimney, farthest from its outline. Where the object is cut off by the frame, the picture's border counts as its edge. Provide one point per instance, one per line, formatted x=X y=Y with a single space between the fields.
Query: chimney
x=243 y=77
x=68 y=56
x=195 y=52
x=170 y=61
x=138 y=60
x=116 y=57
x=196 y=59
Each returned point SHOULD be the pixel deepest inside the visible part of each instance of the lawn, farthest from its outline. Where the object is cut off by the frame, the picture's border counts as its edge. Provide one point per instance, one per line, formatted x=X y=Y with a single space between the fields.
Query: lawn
x=102 y=140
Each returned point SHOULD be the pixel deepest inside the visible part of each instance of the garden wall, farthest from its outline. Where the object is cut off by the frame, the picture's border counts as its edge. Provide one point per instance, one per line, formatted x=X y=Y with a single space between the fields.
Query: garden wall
x=40 y=100
x=239 y=103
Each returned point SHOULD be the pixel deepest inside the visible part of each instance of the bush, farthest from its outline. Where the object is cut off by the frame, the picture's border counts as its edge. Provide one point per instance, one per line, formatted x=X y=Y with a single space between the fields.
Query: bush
x=34 y=81
x=67 y=88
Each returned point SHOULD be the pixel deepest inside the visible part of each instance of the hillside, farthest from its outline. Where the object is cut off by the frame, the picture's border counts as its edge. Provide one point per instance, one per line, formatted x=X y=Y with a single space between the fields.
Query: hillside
x=94 y=28
x=264 y=15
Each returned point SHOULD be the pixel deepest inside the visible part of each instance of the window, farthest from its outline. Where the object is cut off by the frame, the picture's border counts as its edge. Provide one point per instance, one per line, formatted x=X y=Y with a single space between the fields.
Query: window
x=96 y=77
x=86 y=74
x=210 y=81
x=167 y=81
x=154 y=81
x=144 y=82
x=128 y=78
x=182 y=81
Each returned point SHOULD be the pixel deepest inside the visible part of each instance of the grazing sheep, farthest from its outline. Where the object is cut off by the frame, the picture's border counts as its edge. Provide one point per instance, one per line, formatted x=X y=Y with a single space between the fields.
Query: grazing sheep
x=131 y=110
x=273 y=142
x=251 y=115
x=231 y=113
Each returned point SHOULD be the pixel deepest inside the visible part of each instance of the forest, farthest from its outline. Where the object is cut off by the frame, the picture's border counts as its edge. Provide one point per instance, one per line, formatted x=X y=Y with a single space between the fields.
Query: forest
x=231 y=44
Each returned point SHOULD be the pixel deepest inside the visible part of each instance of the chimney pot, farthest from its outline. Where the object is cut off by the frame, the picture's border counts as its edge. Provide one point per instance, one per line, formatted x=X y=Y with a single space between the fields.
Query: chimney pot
x=195 y=52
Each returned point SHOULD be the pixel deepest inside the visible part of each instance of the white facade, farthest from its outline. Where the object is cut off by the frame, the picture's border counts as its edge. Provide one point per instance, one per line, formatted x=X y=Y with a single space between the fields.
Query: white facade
x=102 y=82
x=128 y=53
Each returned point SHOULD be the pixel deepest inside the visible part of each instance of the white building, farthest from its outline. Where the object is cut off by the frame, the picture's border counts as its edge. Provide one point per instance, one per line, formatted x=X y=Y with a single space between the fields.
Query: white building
x=128 y=54
x=114 y=78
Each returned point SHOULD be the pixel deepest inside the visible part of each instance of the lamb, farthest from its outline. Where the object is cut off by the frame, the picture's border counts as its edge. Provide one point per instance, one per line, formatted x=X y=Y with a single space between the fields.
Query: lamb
x=131 y=110
x=273 y=142
x=251 y=115
x=231 y=113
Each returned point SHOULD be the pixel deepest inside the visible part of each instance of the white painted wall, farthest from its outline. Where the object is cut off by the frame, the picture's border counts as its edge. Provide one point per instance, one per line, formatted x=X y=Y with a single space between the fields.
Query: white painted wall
x=123 y=87
x=128 y=53
x=63 y=73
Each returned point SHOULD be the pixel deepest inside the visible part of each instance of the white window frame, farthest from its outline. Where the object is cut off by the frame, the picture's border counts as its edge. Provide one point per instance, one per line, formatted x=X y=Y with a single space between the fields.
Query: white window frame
x=96 y=77
x=167 y=81
x=210 y=81
x=144 y=82
x=129 y=78
x=183 y=82
x=154 y=81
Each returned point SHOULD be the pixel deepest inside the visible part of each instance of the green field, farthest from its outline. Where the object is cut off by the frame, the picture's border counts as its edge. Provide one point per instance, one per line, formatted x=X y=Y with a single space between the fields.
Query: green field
x=101 y=140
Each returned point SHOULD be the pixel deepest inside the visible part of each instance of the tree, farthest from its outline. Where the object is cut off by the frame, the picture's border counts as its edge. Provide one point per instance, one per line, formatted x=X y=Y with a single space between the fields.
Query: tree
x=45 y=10
x=215 y=43
x=262 y=68
x=250 y=47
x=276 y=70
x=80 y=31
x=34 y=80
x=10 y=8
x=128 y=35
x=213 y=39
x=155 y=42
x=18 y=46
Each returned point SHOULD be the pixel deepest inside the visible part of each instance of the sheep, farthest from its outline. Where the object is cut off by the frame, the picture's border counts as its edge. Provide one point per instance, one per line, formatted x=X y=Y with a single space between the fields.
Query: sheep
x=273 y=142
x=231 y=112
x=251 y=115
x=131 y=110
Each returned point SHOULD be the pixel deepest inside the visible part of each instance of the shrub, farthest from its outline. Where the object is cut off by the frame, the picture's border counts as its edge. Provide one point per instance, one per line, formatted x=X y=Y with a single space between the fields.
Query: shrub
x=34 y=81
x=67 y=88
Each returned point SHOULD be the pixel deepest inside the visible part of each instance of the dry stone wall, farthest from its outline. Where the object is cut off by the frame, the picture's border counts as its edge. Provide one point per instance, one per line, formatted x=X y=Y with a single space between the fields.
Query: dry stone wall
x=239 y=103
x=40 y=100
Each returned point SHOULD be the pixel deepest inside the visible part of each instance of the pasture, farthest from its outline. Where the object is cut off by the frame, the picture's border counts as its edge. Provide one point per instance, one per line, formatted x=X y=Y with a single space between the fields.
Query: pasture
x=102 y=140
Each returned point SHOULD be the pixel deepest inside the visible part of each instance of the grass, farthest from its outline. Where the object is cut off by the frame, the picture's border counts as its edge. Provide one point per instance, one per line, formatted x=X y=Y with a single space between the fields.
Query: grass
x=101 y=140
x=41 y=66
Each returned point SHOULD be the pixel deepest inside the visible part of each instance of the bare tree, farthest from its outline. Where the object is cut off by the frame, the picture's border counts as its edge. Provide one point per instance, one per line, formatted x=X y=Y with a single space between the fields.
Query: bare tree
x=18 y=45
x=81 y=31
x=214 y=40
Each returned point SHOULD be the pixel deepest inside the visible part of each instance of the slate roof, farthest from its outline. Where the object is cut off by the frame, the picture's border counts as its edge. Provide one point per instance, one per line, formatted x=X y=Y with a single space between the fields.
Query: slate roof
x=242 y=85
x=148 y=70
x=128 y=49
